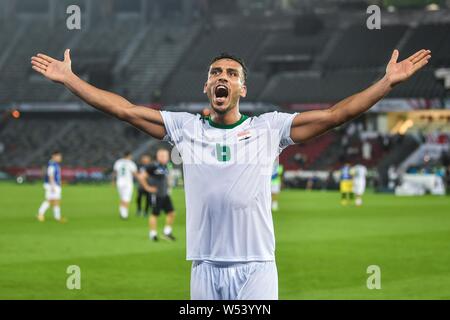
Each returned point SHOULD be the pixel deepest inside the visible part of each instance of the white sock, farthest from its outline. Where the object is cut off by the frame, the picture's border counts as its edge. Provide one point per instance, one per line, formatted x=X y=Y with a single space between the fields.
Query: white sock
x=44 y=206
x=152 y=233
x=167 y=230
x=57 y=212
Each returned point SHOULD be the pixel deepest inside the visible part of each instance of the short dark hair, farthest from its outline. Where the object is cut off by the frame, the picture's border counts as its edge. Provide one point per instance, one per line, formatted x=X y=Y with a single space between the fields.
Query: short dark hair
x=225 y=55
x=55 y=152
x=127 y=153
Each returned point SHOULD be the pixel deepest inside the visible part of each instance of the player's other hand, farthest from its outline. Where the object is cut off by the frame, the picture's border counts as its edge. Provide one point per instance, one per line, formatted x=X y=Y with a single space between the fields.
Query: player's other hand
x=397 y=72
x=55 y=70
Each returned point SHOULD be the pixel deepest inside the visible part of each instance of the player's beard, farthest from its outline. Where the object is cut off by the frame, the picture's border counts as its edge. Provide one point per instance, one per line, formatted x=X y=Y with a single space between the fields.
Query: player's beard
x=222 y=110
x=233 y=101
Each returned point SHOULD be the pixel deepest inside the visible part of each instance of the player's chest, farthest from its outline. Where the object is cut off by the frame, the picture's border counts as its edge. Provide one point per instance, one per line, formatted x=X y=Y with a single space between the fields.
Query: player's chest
x=221 y=147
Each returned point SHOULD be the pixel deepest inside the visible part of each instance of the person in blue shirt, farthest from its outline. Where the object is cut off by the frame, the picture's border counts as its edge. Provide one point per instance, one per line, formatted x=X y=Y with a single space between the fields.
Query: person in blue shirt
x=52 y=187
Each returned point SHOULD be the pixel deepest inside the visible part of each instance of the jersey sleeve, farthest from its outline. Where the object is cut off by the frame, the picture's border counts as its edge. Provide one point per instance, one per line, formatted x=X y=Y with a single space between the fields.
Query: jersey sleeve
x=174 y=123
x=116 y=165
x=51 y=171
x=281 y=122
x=133 y=167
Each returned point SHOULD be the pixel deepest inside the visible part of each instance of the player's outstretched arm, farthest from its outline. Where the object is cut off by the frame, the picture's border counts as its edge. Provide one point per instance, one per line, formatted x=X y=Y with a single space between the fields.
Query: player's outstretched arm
x=146 y=119
x=310 y=124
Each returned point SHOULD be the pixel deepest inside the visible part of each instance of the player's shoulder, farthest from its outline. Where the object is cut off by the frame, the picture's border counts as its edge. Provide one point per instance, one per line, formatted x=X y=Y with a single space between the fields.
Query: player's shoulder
x=181 y=116
x=272 y=118
x=53 y=164
x=273 y=115
x=132 y=163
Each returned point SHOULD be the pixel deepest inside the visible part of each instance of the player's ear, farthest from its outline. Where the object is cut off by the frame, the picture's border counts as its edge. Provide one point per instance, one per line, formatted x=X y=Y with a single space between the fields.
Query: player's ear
x=204 y=87
x=243 y=91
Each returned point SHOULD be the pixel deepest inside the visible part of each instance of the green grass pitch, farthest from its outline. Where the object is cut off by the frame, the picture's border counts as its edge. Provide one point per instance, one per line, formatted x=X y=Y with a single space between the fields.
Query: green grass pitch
x=323 y=249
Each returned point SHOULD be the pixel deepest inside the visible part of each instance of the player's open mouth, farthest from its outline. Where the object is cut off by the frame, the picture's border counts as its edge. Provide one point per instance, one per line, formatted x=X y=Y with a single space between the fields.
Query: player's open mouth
x=221 y=93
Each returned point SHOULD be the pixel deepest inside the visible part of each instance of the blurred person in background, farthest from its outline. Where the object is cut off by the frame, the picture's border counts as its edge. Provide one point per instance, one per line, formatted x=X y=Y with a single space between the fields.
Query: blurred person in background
x=52 y=187
x=277 y=176
x=392 y=177
x=158 y=173
x=124 y=171
x=366 y=150
x=143 y=195
x=346 y=184
x=359 y=173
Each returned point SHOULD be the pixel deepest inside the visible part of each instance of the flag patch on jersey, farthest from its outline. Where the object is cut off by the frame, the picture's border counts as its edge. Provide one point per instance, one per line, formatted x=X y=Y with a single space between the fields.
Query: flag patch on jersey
x=244 y=135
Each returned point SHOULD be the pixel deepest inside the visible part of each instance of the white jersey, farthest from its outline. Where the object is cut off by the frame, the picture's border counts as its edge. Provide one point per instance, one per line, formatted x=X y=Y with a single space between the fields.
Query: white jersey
x=359 y=179
x=227 y=174
x=359 y=172
x=124 y=169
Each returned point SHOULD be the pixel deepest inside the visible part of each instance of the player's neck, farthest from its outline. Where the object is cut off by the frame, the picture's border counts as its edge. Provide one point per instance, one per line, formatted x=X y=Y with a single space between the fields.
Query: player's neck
x=228 y=118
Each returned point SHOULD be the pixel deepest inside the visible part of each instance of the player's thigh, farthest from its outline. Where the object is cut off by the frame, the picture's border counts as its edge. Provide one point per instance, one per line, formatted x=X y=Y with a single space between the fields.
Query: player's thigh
x=52 y=194
x=125 y=192
x=359 y=187
x=262 y=283
x=157 y=206
x=167 y=205
x=346 y=186
x=202 y=282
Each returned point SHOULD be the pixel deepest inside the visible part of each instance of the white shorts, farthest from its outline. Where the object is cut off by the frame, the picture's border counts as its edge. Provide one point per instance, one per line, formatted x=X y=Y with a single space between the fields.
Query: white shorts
x=52 y=193
x=359 y=186
x=275 y=188
x=256 y=280
x=125 y=192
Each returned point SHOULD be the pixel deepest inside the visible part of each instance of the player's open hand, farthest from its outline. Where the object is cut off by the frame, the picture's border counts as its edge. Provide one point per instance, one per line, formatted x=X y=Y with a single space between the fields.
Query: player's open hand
x=398 y=72
x=53 y=69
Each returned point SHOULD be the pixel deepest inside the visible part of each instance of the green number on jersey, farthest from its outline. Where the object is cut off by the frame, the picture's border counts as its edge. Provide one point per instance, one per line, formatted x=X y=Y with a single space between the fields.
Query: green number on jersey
x=223 y=152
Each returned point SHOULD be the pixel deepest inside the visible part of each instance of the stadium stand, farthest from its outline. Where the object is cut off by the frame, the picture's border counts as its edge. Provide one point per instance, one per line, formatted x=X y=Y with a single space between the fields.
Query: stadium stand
x=169 y=58
x=85 y=140
x=300 y=58
x=317 y=87
x=17 y=82
x=369 y=48
x=155 y=58
x=439 y=43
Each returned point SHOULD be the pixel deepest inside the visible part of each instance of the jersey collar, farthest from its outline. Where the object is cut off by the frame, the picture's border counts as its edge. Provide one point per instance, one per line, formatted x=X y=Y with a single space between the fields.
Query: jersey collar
x=227 y=126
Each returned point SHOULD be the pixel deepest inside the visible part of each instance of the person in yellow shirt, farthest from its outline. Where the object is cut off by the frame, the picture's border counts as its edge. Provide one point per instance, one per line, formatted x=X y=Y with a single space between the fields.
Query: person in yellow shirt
x=346 y=184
